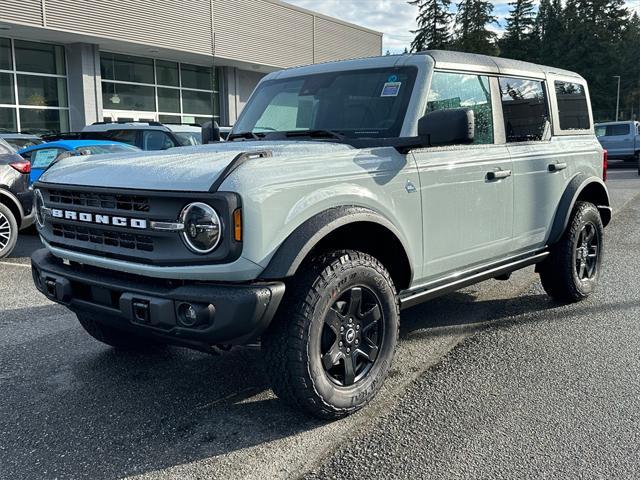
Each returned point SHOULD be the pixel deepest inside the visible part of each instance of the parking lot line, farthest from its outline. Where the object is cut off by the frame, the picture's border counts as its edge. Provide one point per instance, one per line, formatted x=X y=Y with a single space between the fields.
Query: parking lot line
x=25 y=265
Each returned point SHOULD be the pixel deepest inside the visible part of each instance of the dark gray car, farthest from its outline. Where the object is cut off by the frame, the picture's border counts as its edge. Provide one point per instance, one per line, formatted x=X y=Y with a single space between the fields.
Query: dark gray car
x=15 y=197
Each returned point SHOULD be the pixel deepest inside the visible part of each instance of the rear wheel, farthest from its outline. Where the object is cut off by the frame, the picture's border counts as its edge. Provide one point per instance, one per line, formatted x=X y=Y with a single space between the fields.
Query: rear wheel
x=8 y=231
x=572 y=270
x=329 y=349
x=114 y=337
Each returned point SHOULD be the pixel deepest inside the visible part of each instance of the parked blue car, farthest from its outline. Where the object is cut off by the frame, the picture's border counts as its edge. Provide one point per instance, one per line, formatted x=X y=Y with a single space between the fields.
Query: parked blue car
x=43 y=155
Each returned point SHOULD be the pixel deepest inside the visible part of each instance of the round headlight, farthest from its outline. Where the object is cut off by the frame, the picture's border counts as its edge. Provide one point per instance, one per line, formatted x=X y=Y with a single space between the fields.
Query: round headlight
x=202 y=227
x=38 y=205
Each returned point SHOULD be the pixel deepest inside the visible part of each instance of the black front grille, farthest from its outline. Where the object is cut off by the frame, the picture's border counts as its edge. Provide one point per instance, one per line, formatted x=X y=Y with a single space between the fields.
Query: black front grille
x=129 y=241
x=129 y=203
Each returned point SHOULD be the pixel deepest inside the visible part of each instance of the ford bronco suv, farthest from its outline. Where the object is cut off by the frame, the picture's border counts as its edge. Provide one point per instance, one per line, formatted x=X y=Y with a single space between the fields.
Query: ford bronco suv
x=347 y=192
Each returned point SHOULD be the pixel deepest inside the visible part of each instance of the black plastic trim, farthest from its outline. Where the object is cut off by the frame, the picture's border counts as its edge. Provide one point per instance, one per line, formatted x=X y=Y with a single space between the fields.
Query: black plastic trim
x=240 y=313
x=303 y=239
x=446 y=285
x=569 y=199
x=169 y=248
x=235 y=164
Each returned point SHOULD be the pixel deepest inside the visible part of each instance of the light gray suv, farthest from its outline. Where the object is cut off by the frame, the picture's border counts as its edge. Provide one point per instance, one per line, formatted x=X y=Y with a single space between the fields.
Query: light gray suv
x=348 y=191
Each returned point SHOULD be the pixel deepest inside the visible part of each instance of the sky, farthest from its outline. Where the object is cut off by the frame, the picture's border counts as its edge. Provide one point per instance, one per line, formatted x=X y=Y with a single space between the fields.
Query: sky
x=395 y=18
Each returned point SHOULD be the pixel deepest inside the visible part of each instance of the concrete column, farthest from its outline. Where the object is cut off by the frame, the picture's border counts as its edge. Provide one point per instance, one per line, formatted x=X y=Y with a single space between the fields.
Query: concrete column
x=228 y=97
x=85 y=88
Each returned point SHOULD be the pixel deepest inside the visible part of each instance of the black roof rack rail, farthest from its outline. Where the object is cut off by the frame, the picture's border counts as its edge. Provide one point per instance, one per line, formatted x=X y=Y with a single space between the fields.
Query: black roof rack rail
x=185 y=124
x=151 y=123
x=52 y=137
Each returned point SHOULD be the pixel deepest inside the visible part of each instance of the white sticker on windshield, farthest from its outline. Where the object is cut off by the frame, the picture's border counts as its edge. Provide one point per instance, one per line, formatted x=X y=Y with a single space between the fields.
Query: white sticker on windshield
x=391 y=89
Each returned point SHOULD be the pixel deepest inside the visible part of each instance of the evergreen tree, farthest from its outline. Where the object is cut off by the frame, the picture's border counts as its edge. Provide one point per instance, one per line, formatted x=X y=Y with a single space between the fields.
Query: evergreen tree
x=630 y=73
x=518 y=38
x=471 y=27
x=434 y=25
x=548 y=34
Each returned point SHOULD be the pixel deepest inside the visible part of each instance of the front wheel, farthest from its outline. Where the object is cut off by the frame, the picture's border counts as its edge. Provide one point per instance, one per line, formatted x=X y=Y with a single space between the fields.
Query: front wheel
x=571 y=271
x=330 y=346
x=8 y=231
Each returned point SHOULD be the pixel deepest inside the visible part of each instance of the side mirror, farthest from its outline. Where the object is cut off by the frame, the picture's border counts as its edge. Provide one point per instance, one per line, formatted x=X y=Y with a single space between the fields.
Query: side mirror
x=447 y=127
x=210 y=132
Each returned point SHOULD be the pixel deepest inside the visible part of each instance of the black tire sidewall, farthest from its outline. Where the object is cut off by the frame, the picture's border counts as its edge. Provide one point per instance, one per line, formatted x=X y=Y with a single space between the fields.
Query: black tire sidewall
x=13 y=233
x=347 y=277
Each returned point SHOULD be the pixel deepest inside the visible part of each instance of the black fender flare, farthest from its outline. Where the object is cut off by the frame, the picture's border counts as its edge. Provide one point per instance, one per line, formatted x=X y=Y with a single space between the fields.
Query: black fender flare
x=598 y=194
x=292 y=252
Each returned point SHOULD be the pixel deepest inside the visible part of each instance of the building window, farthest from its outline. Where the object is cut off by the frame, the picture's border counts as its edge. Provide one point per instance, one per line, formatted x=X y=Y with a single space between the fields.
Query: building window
x=143 y=88
x=33 y=87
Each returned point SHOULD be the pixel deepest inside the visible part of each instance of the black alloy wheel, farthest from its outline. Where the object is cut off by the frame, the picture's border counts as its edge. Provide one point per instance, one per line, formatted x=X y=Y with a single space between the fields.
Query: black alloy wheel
x=586 y=252
x=352 y=336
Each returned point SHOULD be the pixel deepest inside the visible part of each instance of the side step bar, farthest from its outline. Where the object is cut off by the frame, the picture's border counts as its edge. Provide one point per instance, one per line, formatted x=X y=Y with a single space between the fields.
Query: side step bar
x=438 y=288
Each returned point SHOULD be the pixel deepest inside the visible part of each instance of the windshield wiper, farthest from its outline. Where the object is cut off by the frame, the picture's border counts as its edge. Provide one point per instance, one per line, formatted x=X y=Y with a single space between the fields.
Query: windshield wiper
x=315 y=134
x=245 y=135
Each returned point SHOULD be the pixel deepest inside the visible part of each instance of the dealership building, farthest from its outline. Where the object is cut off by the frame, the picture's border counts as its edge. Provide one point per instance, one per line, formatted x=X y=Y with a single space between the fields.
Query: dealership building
x=68 y=63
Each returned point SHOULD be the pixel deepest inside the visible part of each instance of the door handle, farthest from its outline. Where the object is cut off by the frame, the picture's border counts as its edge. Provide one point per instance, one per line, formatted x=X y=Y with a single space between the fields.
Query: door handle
x=556 y=167
x=498 y=174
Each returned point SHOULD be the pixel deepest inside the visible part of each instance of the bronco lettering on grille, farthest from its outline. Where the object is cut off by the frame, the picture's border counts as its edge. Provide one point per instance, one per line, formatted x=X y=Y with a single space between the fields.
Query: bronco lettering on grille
x=99 y=219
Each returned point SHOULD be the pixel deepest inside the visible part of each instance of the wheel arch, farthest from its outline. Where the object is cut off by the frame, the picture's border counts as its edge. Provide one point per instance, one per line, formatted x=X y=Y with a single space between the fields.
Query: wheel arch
x=9 y=200
x=580 y=188
x=350 y=227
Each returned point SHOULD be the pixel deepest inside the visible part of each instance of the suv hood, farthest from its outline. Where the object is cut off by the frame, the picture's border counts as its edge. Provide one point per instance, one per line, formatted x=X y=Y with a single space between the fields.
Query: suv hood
x=192 y=169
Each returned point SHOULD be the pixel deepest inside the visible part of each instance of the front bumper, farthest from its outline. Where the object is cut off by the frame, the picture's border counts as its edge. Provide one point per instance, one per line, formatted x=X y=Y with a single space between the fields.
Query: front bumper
x=226 y=313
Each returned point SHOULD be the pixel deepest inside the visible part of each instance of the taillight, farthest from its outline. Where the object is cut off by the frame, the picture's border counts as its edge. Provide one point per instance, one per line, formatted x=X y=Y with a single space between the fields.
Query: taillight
x=22 y=167
x=605 y=164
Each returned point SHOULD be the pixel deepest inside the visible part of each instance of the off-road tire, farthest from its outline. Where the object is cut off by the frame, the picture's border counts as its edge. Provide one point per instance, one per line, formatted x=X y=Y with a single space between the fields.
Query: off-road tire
x=8 y=230
x=114 y=337
x=559 y=272
x=292 y=344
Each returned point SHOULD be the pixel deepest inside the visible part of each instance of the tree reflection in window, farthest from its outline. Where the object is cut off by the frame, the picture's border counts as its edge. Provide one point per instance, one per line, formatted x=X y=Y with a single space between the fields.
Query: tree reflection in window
x=524 y=107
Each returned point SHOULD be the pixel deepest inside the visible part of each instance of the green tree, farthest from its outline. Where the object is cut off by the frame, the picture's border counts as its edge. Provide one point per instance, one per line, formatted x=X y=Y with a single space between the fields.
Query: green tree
x=630 y=71
x=434 y=25
x=548 y=33
x=591 y=46
x=518 y=38
x=471 y=27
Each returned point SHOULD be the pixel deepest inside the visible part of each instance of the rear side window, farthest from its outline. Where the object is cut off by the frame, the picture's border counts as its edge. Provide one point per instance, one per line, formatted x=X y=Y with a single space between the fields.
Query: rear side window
x=618 y=130
x=459 y=90
x=124 y=136
x=572 y=106
x=524 y=107
x=156 y=140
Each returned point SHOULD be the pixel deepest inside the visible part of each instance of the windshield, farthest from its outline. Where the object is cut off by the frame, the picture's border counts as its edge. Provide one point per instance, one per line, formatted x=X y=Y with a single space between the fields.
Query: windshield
x=98 y=149
x=357 y=104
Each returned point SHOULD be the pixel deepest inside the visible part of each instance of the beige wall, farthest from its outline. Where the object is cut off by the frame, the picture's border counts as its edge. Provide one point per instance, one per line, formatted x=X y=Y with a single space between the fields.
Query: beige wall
x=264 y=32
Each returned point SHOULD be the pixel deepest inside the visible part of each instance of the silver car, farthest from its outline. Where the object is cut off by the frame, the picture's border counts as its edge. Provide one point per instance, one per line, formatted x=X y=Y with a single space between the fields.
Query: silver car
x=346 y=192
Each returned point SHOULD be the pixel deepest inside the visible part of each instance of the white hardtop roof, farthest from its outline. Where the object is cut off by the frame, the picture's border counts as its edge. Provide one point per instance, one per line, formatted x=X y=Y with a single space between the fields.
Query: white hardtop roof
x=442 y=59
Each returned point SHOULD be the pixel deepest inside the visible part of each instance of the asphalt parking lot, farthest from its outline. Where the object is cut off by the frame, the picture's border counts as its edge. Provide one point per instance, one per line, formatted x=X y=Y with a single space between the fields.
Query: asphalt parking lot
x=472 y=393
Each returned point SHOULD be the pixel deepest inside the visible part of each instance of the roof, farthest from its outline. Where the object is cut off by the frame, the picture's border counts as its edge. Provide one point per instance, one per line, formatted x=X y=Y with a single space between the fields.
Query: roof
x=106 y=126
x=18 y=135
x=447 y=59
x=620 y=122
x=443 y=59
x=70 y=144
